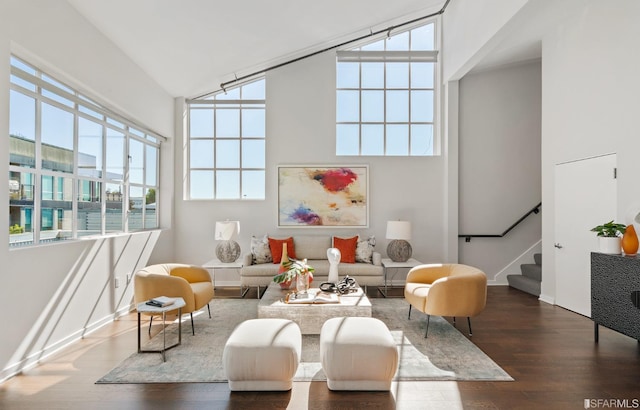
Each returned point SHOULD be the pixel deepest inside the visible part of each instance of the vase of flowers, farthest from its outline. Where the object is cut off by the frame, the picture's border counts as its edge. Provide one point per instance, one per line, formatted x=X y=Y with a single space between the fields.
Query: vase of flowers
x=296 y=272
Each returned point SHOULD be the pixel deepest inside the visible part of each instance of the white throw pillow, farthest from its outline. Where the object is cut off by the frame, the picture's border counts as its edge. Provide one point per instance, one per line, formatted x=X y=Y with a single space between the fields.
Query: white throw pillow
x=364 y=249
x=260 y=250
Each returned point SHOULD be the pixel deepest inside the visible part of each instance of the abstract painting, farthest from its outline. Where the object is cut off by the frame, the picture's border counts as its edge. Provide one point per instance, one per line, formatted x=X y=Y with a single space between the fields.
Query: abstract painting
x=323 y=196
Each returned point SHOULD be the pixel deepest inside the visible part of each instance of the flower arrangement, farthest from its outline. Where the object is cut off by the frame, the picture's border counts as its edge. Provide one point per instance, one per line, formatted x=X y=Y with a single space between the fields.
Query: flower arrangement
x=290 y=270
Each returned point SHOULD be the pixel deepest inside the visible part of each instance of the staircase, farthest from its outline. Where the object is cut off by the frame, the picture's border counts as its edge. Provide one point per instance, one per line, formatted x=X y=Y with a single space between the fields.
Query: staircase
x=531 y=276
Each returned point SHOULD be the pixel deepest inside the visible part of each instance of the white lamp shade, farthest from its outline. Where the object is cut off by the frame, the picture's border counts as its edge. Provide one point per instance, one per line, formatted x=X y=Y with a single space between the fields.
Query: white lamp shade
x=399 y=230
x=227 y=230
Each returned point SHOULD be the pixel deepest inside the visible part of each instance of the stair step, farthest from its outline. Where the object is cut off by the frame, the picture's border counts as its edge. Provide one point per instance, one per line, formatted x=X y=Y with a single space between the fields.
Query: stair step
x=524 y=284
x=538 y=258
x=531 y=271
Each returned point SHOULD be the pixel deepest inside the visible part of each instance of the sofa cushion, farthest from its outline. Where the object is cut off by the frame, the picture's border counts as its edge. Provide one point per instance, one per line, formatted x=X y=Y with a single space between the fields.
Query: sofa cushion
x=260 y=250
x=312 y=247
x=364 y=249
x=276 y=248
x=347 y=248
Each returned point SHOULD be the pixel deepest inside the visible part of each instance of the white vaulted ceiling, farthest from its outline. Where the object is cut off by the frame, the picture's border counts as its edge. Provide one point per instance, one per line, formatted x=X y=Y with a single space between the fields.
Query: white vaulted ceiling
x=189 y=47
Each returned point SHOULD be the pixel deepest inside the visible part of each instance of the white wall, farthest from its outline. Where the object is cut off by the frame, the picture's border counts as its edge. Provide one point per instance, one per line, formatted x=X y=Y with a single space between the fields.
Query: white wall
x=53 y=294
x=499 y=171
x=590 y=88
x=301 y=130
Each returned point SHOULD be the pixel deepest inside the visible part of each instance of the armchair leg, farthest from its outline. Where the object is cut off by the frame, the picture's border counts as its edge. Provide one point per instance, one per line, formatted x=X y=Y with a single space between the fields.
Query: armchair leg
x=150 y=321
x=469 y=321
x=193 y=330
x=209 y=309
x=427 y=331
x=409 y=318
x=454 y=321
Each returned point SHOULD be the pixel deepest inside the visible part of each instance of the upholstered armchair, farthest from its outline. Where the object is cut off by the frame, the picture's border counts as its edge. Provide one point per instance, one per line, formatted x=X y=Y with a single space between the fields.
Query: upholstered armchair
x=446 y=290
x=191 y=283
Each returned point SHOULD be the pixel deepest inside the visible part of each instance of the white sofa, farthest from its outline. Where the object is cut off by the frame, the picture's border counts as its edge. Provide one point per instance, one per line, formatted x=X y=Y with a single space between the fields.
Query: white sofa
x=314 y=249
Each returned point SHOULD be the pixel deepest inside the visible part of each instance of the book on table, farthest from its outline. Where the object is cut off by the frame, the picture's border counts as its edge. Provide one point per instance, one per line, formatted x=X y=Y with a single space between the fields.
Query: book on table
x=161 y=301
x=312 y=297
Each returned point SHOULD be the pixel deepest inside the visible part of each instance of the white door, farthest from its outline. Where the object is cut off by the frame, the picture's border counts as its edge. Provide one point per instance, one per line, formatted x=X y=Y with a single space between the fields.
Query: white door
x=585 y=196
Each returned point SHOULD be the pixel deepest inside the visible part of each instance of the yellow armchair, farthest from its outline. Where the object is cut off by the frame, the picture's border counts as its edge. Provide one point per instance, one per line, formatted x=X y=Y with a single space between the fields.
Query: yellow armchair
x=191 y=283
x=446 y=290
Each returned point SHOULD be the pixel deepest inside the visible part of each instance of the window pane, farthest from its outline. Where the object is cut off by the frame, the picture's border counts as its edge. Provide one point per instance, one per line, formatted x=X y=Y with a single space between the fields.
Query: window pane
x=253 y=123
x=114 y=201
x=136 y=203
x=227 y=184
x=56 y=220
x=422 y=139
x=201 y=185
x=201 y=153
x=89 y=220
x=233 y=94
x=89 y=148
x=372 y=139
x=398 y=42
x=228 y=154
x=227 y=123
x=150 y=215
x=423 y=38
x=347 y=139
x=253 y=184
x=151 y=169
x=397 y=75
x=372 y=75
x=56 y=97
x=348 y=106
x=397 y=139
x=115 y=155
x=377 y=46
x=136 y=161
x=397 y=106
x=422 y=75
x=348 y=75
x=21 y=196
x=22 y=120
x=201 y=122
x=422 y=106
x=253 y=155
x=373 y=106
x=254 y=90
x=57 y=139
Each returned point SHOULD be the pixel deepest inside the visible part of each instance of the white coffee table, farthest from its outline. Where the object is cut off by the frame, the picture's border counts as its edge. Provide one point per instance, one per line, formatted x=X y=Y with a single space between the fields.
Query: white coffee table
x=144 y=308
x=311 y=317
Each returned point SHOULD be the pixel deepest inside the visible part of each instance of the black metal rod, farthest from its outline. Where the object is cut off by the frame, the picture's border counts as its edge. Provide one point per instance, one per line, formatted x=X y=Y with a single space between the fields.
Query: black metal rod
x=534 y=210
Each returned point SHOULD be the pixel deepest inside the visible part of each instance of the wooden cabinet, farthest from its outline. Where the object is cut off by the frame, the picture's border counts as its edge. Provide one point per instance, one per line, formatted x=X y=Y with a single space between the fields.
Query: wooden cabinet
x=615 y=287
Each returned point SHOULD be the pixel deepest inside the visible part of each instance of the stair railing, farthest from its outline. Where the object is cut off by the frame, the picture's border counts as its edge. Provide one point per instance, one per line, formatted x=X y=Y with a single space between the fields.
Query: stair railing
x=534 y=210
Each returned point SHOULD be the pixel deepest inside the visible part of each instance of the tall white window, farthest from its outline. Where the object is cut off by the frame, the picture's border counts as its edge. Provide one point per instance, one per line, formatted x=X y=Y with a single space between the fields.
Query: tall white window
x=386 y=95
x=226 y=134
x=75 y=168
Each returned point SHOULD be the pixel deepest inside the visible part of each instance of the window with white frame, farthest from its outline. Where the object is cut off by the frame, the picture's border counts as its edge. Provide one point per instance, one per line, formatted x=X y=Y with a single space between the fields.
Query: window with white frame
x=75 y=168
x=386 y=94
x=226 y=134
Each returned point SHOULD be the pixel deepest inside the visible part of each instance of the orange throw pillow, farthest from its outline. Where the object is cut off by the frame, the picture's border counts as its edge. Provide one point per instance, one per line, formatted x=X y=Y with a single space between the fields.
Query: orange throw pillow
x=276 y=248
x=347 y=248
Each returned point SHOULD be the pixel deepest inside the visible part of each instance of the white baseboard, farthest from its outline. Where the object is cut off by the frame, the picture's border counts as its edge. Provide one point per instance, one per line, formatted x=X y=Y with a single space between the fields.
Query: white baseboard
x=547 y=299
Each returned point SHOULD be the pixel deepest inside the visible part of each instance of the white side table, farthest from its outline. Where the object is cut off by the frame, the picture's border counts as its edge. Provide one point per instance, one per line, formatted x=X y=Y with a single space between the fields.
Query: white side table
x=389 y=264
x=144 y=308
x=215 y=263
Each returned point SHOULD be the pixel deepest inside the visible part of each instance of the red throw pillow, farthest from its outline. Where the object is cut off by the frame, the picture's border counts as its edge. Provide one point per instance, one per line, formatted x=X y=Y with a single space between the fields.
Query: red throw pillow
x=347 y=248
x=276 y=248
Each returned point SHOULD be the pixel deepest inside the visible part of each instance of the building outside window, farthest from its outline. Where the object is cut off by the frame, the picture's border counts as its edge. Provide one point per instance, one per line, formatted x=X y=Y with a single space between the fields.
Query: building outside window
x=387 y=93
x=75 y=168
x=226 y=150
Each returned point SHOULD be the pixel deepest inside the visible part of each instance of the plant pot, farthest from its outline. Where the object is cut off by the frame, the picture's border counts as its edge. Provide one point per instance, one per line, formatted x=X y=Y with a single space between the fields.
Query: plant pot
x=610 y=244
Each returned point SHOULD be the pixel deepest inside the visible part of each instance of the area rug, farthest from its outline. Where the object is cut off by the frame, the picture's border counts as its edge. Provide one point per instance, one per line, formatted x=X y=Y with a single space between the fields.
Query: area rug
x=445 y=355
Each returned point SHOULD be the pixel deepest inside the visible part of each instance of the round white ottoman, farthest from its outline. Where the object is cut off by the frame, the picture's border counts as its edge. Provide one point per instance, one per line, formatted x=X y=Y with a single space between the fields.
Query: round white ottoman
x=358 y=353
x=262 y=354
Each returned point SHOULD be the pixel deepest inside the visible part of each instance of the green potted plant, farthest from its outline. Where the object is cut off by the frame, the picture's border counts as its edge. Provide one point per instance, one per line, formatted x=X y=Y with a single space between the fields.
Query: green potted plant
x=292 y=271
x=609 y=236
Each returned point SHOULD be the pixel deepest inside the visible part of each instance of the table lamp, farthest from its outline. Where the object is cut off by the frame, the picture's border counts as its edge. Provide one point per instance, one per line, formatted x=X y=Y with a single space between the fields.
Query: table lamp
x=227 y=249
x=399 y=250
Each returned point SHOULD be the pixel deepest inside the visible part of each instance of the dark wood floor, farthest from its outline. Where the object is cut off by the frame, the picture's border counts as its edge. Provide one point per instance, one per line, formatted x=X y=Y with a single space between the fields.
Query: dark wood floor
x=549 y=352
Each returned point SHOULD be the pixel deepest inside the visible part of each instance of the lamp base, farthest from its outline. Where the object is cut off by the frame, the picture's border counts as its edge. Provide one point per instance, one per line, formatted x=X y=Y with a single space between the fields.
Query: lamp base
x=399 y=250
x=228 y=251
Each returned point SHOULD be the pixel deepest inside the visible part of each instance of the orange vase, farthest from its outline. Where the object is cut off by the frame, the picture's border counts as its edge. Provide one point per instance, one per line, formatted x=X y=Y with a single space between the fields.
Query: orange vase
x=630 y=241
x=285 y=263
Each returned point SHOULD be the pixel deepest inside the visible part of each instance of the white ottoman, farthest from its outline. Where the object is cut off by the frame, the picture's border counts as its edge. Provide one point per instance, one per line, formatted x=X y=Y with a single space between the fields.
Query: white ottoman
x=262 y=354
x=358 y=353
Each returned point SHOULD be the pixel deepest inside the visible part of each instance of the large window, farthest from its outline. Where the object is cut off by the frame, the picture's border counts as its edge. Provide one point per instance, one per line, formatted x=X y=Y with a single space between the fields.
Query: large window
x=75 y=168
x=386 y=95
x=226 y=150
